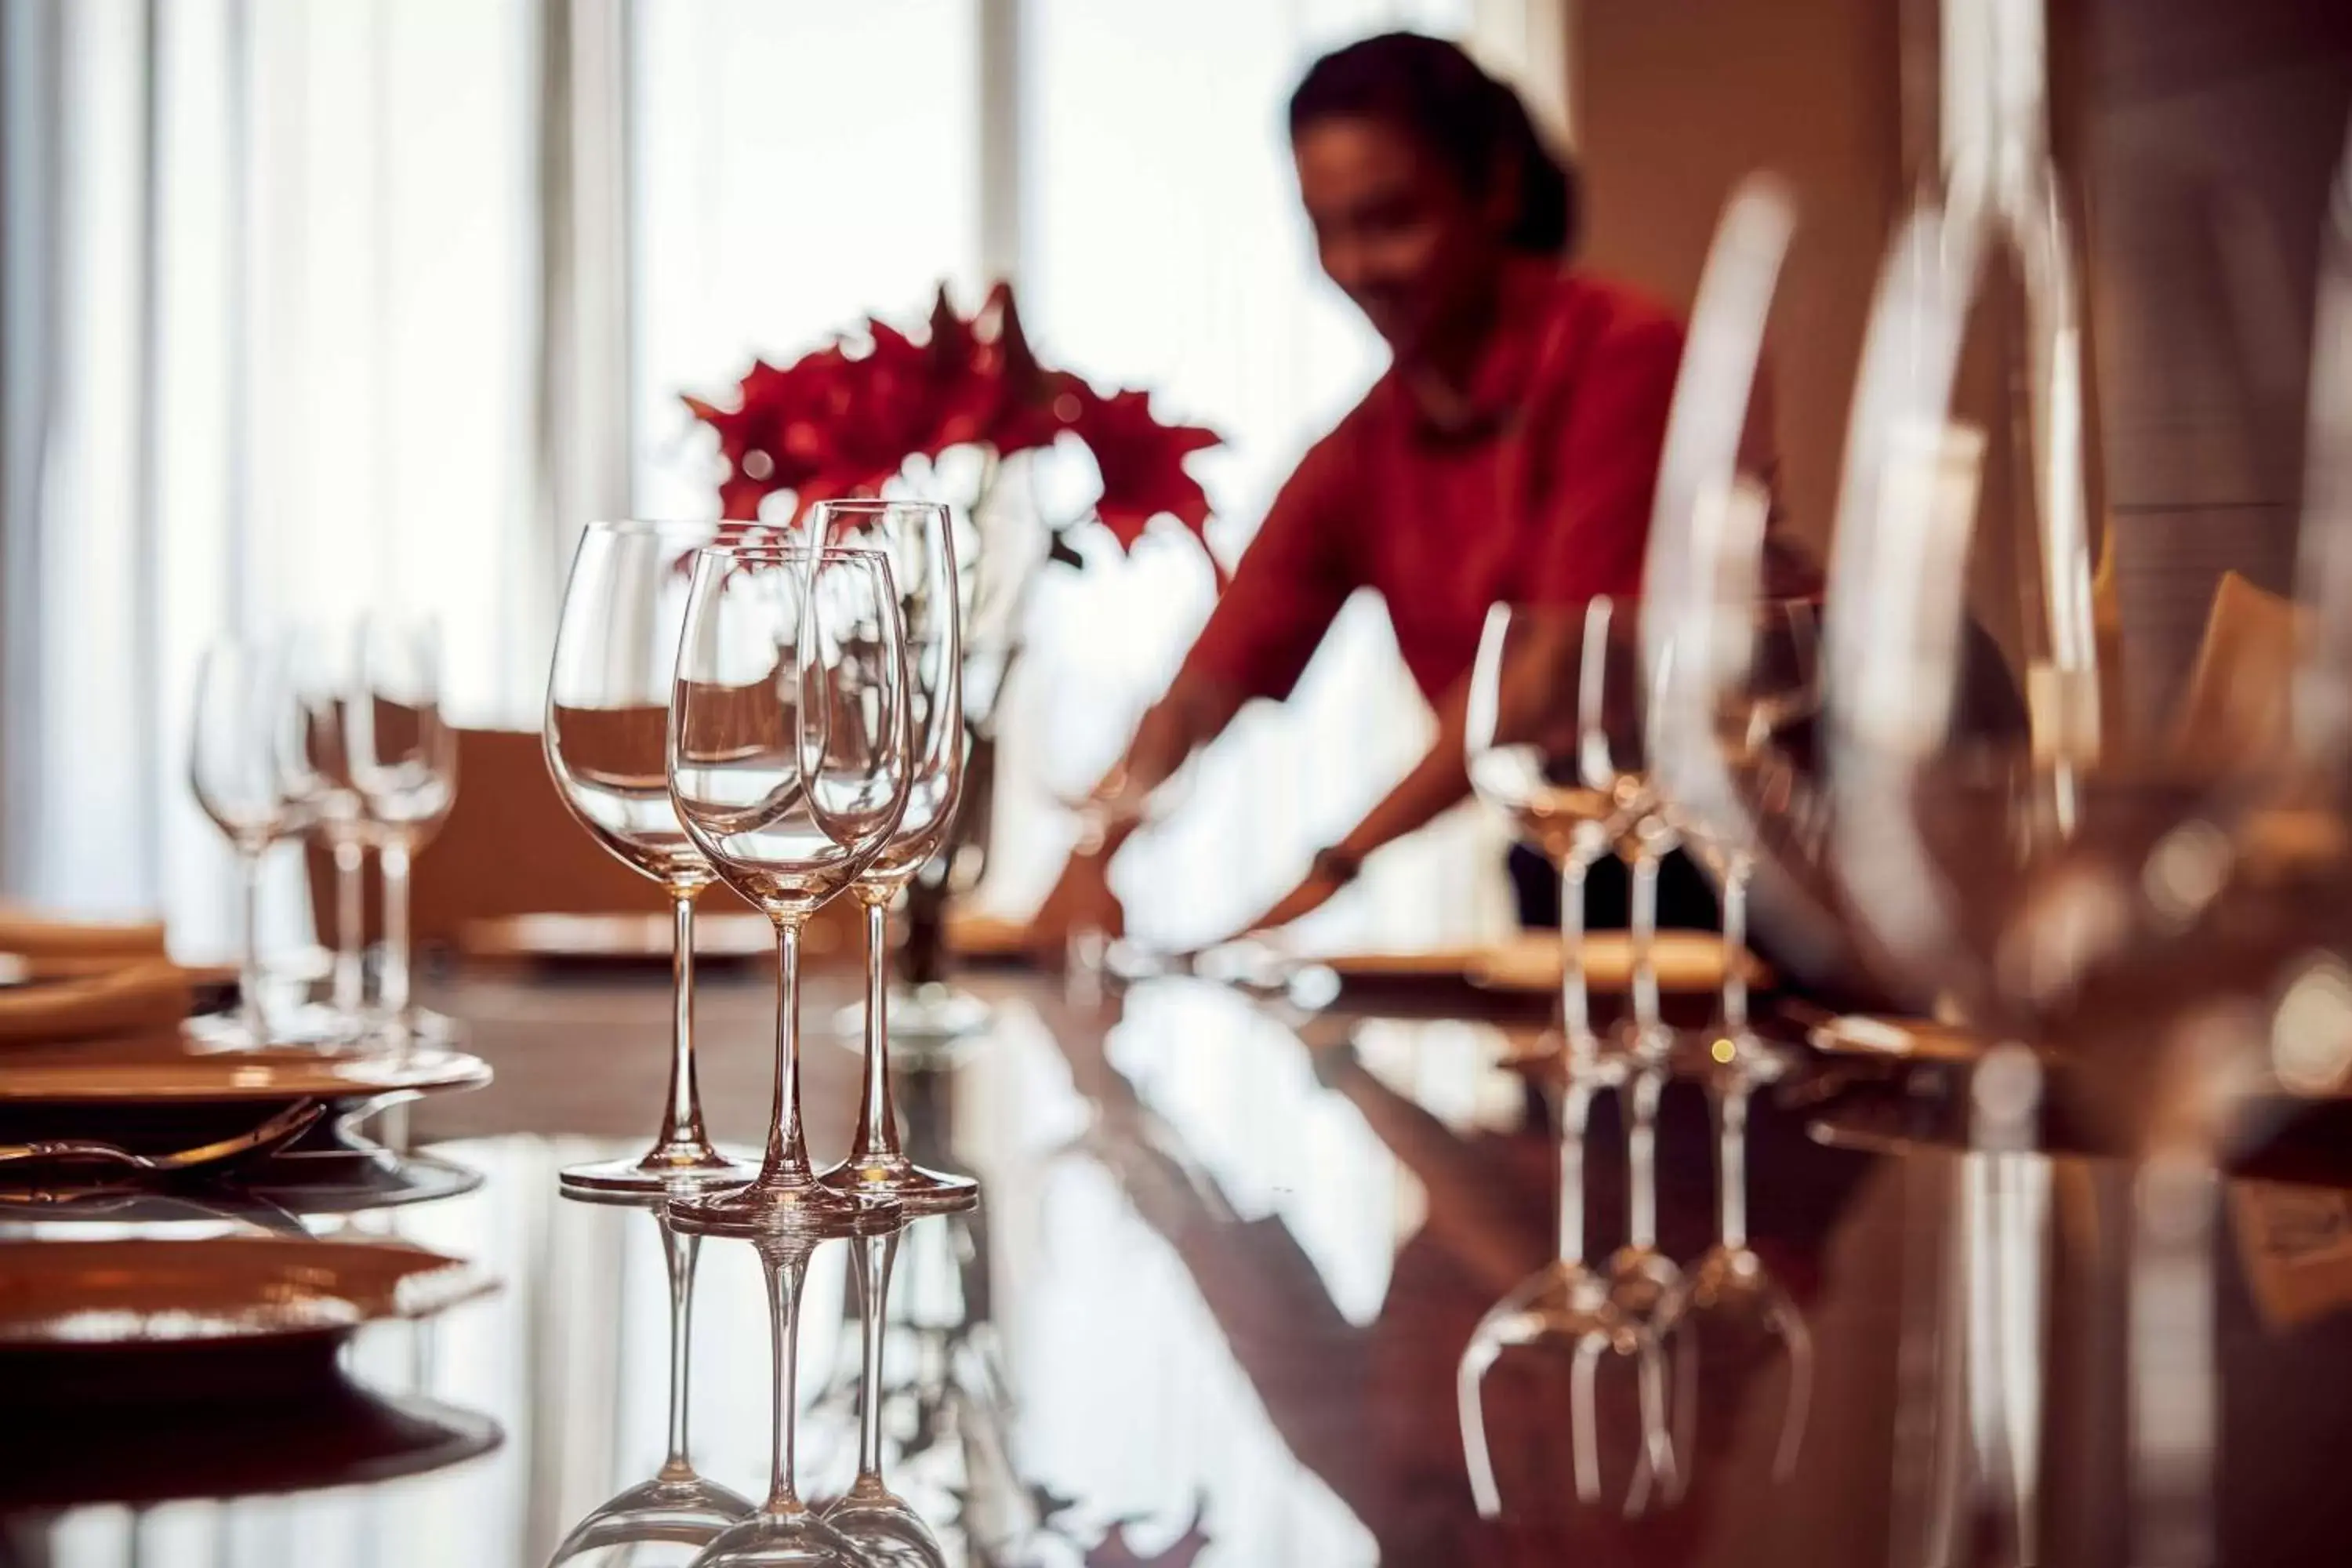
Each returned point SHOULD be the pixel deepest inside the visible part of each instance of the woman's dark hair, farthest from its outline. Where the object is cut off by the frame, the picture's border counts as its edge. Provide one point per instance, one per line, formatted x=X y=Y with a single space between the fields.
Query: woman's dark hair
x=1475 y=124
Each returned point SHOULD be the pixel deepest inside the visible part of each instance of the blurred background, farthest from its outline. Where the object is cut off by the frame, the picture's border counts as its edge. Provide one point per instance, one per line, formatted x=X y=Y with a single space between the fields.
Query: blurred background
x=308 y=306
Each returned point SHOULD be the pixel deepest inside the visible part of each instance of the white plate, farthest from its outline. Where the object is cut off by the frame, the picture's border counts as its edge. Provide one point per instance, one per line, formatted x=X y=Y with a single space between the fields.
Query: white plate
x=152 y=1073
x=57 y=1295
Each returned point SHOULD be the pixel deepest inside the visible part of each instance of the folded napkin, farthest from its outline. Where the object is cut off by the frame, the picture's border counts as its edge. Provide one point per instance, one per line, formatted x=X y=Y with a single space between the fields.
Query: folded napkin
x=1682 y=960
x=134 y=996
x=37 y=936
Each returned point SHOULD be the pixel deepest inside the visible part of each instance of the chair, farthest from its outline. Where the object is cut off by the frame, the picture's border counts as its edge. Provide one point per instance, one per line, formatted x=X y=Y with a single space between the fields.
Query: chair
x=2238 y=706
x=510 y=848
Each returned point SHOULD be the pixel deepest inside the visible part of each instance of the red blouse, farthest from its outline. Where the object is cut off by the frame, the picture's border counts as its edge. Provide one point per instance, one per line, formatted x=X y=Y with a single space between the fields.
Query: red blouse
x=1545 y=498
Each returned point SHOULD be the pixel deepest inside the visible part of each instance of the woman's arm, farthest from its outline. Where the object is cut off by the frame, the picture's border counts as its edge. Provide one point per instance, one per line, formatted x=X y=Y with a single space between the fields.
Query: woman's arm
x=1289 y=585
x=1435 y=782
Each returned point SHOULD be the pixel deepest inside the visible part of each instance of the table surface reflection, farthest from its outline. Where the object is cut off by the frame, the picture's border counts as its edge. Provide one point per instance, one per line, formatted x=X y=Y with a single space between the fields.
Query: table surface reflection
x=1212 y=1308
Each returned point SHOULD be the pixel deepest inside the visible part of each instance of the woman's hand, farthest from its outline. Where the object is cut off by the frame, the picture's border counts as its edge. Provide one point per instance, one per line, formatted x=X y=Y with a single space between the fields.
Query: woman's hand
x=1081 y=901
x=1310 y=895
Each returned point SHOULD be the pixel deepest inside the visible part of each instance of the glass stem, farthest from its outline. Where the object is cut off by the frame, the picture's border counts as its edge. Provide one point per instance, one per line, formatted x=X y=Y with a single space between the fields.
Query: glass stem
x=249 y=973
x=1644 y=935
x=1735 y=947
x=1575 y=1000
x=786 y=1272
x=877 y=1120
x=1731 y=1145
x=392 y=980
x=681 y=1130
x=787 y=1142
x=874 y=1282
x=680 y=1252
x=1575 y=1110
x=1642 y=1158
x=351 y=921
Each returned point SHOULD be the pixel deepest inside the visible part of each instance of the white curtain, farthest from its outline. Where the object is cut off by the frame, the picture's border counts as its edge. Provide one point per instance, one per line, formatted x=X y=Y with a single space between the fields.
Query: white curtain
x=287 y=258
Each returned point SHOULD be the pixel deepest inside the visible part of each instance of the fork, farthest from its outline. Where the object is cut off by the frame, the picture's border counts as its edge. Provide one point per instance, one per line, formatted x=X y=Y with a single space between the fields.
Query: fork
x=282 y=1128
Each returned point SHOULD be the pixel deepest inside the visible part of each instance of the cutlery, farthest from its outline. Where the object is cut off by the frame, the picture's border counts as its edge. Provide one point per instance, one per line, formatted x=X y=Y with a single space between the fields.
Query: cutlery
x=282 y=1128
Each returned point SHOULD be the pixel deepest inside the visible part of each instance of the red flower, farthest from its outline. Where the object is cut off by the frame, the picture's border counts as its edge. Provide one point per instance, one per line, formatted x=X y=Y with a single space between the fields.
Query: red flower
x=843 y=421
x=773 y=438
x=1143 y=464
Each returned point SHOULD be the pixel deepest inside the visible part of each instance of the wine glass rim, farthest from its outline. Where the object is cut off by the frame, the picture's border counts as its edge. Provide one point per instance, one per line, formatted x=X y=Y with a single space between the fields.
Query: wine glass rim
x=799 y=550
x=878 y=503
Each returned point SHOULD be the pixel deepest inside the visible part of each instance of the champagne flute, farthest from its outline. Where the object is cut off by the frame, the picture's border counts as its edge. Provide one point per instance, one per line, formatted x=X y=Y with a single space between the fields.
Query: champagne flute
x=404 y=761
x=605 y=737
x=677 y=1506
x=788 y=756
x=916 y=539
x=233 y=765
x=881 y=1523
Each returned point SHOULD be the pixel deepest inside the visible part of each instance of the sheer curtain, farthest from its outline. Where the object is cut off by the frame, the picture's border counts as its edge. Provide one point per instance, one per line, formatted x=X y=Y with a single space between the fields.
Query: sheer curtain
x=286 y=256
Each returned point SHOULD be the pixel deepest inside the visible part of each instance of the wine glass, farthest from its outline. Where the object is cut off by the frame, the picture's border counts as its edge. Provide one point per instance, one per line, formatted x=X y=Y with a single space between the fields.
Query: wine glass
x=783 y=1529
x=1521 y=737
x=1568 y=1301
x=315 y=768
x=789 y=763
x=916 y=538
x=1728 y=648
x=404 y=761
x=677 y=1506
x=236 y=743
x=879 y=1522
x=605 y=737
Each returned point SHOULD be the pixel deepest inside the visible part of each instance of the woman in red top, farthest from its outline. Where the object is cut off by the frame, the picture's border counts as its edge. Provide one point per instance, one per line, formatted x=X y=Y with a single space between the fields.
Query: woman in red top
x=1508 y=453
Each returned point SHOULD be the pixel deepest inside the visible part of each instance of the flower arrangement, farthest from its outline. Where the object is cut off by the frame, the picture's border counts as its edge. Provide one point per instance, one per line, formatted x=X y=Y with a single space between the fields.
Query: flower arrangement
x=850 y=417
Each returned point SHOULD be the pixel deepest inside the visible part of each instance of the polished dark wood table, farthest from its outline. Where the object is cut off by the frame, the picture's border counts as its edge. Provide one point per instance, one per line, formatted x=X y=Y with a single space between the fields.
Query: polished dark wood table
x=1213 y=1307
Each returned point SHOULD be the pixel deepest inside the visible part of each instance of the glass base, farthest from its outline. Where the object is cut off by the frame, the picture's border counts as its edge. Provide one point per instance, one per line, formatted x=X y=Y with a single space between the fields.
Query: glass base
x=688 y=1512
x=894 y=1178
x=932 y=1012
x=801 y=1539
x=309 y=1028
x=423 y=1026
x=802 y=1209
x=661 y=1174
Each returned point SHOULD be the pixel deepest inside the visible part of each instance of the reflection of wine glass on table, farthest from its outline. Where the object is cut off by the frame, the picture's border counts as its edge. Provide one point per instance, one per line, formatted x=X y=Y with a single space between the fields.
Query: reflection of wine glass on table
x=677 y=1507
x=1567 y=1301
x=879 y=1522
x=783 y=1529
x=1729 y=1288
x=1640 y=1276
x=608 y=694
